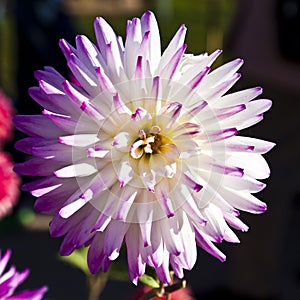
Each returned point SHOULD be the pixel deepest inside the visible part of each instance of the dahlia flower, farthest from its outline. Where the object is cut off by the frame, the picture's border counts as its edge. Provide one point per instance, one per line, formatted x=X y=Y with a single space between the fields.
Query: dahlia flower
x=142 y=150
x=10 y=280
x=9 y=185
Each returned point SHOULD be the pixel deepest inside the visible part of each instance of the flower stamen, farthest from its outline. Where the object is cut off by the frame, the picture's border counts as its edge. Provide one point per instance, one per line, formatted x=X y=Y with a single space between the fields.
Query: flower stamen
x=150 y=143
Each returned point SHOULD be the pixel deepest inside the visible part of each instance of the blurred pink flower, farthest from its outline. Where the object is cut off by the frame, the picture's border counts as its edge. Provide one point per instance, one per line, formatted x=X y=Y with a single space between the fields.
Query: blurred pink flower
x=6 y=114
x=10 y=280
x=9 y=185
x=9 y=181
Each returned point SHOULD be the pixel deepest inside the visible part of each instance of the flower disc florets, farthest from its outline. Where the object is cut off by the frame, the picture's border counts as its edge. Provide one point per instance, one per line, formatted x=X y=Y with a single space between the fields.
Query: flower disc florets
x=142 y=149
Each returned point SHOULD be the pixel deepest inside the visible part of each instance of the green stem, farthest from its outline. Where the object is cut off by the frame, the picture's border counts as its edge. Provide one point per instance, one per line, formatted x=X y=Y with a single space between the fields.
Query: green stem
x=96 y=284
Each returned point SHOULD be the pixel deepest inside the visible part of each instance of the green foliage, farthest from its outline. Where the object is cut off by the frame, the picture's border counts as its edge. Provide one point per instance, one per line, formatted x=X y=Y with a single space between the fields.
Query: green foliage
x=202 y=18
x=150 y=278
x=78 y=260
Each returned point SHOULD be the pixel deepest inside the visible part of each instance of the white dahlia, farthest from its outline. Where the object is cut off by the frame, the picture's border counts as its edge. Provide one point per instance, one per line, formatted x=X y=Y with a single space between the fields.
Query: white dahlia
x=141 y=148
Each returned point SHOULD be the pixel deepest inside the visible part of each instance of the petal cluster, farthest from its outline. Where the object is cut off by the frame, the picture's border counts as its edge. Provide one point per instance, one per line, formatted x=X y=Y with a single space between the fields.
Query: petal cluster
x=142 y=148
x=10 y=281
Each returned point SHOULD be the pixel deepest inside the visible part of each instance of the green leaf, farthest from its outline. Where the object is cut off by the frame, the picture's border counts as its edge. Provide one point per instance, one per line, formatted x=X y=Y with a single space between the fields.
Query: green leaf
x=78 y=259
x=149 y=280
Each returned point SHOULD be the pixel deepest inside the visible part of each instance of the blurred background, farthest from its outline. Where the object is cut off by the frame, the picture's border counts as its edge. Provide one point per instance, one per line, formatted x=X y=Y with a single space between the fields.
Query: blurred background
x=266 y=34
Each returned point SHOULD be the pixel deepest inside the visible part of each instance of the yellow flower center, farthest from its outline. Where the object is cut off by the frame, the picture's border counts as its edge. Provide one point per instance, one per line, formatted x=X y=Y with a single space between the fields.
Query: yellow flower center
x=149 y=143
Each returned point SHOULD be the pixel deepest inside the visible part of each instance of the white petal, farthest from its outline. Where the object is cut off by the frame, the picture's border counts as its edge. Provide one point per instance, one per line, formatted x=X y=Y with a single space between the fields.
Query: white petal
x=79 y=140
x=243 y=201
x=169 y=230
x=122 y=141
x=176 y=43
x=240 y=97
x=132 y=44
x=188 y=256
x=222 y=73
x=125 y=172
x=253 y=164
x=149 y=24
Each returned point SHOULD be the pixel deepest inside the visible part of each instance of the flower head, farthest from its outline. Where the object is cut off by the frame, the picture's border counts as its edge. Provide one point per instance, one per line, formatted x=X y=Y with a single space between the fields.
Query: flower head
x=142 y=149
x=10 y=281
